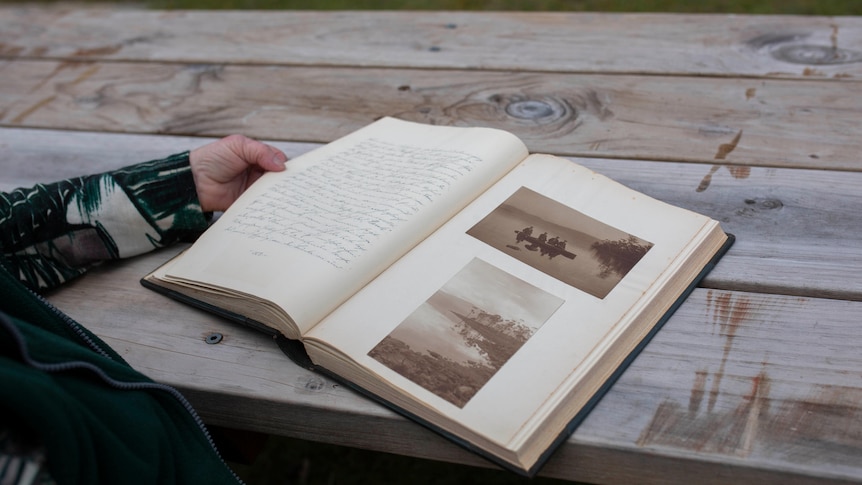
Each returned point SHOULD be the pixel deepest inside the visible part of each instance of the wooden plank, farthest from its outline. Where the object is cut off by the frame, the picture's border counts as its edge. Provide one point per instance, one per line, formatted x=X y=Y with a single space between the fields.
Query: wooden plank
x=715 y=45
x=740 y=386
x=802 y=124
x=32 y=156
x=733 y=372
x=751 y=378
x=244 y=381
x=736 y=387
x=797 y=230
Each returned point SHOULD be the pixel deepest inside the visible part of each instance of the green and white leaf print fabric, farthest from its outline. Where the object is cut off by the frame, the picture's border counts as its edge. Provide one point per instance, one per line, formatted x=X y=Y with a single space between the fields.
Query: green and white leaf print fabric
x=55 y=232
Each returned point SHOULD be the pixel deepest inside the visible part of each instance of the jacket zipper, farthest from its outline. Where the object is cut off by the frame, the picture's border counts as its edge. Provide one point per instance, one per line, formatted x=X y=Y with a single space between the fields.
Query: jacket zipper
x=122 y=385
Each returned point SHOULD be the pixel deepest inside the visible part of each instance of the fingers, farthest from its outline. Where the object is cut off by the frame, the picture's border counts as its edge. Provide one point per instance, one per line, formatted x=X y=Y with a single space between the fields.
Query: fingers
x=277 y=159
x=260 y=154
x=223 y=169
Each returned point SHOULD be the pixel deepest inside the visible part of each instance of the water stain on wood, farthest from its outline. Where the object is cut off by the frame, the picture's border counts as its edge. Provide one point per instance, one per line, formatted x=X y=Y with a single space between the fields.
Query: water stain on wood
x=730 y=432
x=754 y=408
x=697 y=391
x=829 y=416
x=725 y=148
x=737 y=172
x=728 y=313
x=796 y=422
x=707 y=179
x=823 y=425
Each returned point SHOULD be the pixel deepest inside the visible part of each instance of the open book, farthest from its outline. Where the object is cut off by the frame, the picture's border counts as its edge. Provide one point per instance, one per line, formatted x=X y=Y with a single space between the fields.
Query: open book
x=490 y=294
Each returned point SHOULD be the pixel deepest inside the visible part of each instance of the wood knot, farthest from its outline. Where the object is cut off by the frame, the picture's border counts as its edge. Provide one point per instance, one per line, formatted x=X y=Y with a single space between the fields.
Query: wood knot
x=797 y=48
x=530 y=109
x=213 y=338
x=756 y=206
x=544 y=109
x=315 y=384
x=818 y=55
x=765 y=203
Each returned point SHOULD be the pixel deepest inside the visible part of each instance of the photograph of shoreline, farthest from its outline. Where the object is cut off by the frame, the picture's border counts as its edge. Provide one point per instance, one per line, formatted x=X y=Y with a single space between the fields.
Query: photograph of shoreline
x=466 y=331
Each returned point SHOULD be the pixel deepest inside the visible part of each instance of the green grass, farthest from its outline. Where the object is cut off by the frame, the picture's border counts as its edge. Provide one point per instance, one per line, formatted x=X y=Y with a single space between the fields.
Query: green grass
x=770 y=7
x=792 y=7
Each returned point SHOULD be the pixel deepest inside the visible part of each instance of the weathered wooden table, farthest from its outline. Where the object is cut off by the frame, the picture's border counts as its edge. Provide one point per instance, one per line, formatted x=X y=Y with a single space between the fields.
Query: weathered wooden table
x=755 y=121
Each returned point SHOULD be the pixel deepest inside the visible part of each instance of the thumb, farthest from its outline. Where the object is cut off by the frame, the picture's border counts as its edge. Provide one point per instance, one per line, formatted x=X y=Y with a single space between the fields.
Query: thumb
x=262 y=155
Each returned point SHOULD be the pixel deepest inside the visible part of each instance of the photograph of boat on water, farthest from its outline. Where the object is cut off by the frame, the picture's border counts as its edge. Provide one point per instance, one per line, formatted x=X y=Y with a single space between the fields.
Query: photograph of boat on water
x=561 y=242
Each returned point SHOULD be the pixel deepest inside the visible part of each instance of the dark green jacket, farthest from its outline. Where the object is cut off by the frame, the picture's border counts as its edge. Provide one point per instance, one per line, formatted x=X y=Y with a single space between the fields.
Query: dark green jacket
x=62 y=388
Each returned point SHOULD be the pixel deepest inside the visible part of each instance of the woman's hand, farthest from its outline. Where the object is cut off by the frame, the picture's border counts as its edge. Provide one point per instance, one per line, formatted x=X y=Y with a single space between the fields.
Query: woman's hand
x=225 y=168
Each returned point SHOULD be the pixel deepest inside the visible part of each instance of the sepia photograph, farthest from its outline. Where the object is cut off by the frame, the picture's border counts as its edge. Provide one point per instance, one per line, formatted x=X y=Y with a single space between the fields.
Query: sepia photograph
x=561 y=242
x=463 y=334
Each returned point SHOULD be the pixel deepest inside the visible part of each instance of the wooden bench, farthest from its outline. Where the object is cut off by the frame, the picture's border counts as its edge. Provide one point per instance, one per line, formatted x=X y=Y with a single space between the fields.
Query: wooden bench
x=753 y=120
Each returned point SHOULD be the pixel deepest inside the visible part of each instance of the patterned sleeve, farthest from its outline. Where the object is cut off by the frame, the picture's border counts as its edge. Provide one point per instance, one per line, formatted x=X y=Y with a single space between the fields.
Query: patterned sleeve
x=52 y=233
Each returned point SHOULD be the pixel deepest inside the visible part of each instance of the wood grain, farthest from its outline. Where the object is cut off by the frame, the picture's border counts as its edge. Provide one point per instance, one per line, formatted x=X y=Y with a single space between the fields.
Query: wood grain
x=764 y=382
x=752 y=120
x=797 y=231
x=664 y=44
x=749 y=377
x=35 y=156
x=781 y=217
x=803 y=124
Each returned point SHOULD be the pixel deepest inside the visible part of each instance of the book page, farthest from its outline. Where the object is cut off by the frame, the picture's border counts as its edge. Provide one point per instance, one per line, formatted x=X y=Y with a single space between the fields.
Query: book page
x=492 y=318
x=307 y=238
